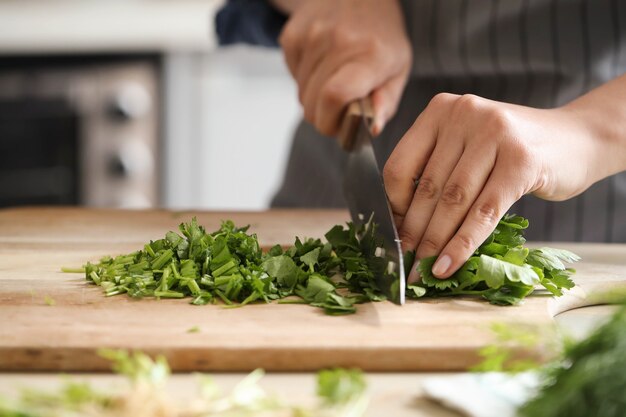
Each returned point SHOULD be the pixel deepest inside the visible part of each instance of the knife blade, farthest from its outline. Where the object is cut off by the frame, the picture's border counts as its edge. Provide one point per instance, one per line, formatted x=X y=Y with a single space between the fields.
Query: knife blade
x=367 y=199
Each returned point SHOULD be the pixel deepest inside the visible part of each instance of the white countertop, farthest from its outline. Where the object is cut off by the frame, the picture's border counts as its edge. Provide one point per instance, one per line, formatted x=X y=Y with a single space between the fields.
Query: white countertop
x=100 y=26
x=395 y=394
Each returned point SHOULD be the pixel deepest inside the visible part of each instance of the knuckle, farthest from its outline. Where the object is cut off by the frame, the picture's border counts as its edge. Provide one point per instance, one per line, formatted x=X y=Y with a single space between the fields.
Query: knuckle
x=487 y=213
x=335 y=94
x=428 y=247
x=497 y=121
x=465 y=107
x=442 y=99
x=427 y=189
x=392 y=174
x=340 y=37
x=523 y=154
x=317 y=31
x=287 y=38
x=465 y=242
x=454 y=195
x=408 y=237
x=468 y=103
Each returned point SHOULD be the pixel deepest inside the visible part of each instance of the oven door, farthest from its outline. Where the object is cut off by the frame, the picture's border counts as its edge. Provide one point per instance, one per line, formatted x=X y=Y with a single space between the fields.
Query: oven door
x=39 y=145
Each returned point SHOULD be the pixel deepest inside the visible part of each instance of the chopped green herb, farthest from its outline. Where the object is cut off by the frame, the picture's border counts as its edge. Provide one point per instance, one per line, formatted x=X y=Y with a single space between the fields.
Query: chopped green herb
x=72 y=270
x=518 y=347
x=341 y=393
x=337 y=386
x=194 y=329
x=335 y=275
x=49 y=300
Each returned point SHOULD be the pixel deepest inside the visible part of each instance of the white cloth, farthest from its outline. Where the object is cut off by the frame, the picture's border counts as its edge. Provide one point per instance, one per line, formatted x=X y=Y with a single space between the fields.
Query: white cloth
x=490 y=394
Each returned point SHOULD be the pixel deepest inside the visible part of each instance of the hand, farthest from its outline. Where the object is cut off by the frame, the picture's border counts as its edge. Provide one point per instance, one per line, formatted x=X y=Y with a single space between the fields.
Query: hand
x=474 y=158
x=342 y=50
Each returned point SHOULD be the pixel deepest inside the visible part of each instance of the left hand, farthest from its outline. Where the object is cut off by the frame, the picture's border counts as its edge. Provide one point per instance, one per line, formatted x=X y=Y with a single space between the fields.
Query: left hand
x=474 y=158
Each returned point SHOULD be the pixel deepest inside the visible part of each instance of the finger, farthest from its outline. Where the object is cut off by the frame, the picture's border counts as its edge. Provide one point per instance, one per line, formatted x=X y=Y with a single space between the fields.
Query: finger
x=351 y=81
x=315 y=51
x=503 y=188
x=323 y=74
x=407 y=161
x=385 y=100
x=458 y=194
x=290 y=42
x=442 y=162
x=414 y=274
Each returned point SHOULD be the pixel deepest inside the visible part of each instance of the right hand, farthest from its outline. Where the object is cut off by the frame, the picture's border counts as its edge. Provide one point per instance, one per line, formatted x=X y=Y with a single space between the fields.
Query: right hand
x=342 y=50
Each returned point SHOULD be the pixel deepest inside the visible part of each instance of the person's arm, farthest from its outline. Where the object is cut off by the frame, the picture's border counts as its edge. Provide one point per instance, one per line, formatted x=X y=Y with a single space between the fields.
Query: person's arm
x=342 y=50
x=603 y=111
x=473 y=158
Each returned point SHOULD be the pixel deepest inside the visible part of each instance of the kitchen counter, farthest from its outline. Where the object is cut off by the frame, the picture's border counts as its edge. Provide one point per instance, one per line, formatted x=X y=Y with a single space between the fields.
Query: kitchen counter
x=75 y=26
x=73 y=233
x=391 y=394
x=397 y=395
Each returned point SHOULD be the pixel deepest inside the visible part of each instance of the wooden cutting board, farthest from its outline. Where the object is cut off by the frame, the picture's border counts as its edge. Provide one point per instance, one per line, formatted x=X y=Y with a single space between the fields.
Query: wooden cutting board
x=428 y=335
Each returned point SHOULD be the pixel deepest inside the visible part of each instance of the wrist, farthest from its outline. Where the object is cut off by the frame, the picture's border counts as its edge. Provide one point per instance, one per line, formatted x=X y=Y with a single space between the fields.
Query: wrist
x=603 y=134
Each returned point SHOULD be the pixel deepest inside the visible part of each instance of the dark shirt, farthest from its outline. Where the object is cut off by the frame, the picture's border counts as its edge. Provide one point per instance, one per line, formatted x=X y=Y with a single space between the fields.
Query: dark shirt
x=253 y=22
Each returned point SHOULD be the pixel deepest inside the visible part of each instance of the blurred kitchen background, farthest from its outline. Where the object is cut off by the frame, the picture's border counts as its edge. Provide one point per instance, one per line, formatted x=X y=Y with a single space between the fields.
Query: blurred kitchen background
x=129 y=103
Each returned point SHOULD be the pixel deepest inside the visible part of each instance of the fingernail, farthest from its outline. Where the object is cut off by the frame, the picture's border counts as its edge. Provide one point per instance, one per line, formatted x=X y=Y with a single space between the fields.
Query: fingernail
x=414 y=275
x=378 y=126
x=442 y=265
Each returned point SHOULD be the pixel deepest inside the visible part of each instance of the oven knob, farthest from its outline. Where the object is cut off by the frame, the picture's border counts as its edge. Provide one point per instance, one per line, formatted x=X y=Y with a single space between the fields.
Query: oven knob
x=133 y=159
x=131 y=101
x=117 y=167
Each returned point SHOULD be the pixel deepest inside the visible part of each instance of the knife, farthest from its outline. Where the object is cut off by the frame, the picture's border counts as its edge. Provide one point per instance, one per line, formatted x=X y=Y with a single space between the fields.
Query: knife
x=367 y=199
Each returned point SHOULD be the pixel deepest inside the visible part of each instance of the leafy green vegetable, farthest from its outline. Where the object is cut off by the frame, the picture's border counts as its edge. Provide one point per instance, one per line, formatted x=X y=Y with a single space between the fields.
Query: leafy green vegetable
x=335 y=275
x=341 y=394
x=502 y=270
x=590 y=380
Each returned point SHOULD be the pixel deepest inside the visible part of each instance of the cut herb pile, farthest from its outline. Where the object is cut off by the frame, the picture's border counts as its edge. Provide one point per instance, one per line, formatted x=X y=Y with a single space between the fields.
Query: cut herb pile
x=229 y=265
x=341 y=393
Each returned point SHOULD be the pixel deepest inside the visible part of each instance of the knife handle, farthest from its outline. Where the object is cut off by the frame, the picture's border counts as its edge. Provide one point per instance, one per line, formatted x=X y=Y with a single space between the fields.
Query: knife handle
x=358 y=109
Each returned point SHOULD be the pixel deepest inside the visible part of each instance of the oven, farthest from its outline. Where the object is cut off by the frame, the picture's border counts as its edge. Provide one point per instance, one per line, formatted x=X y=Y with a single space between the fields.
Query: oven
x=80 y=131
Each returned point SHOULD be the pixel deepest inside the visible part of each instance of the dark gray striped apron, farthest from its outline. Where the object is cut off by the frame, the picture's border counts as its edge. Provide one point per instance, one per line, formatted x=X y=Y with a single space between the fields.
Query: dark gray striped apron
x=540 y=53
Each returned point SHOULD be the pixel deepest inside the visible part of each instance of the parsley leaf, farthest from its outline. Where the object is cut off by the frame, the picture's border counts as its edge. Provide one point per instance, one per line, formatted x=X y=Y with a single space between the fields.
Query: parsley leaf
x=501 y=270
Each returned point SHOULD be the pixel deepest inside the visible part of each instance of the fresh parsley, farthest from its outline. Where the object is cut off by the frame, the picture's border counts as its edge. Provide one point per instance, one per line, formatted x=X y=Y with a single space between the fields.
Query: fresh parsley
x=341 y=393
x=502 y=270
x=228 y=265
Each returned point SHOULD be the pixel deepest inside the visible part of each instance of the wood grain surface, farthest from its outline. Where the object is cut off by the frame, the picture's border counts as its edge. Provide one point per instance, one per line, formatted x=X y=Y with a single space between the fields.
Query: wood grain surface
x=428 y=335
